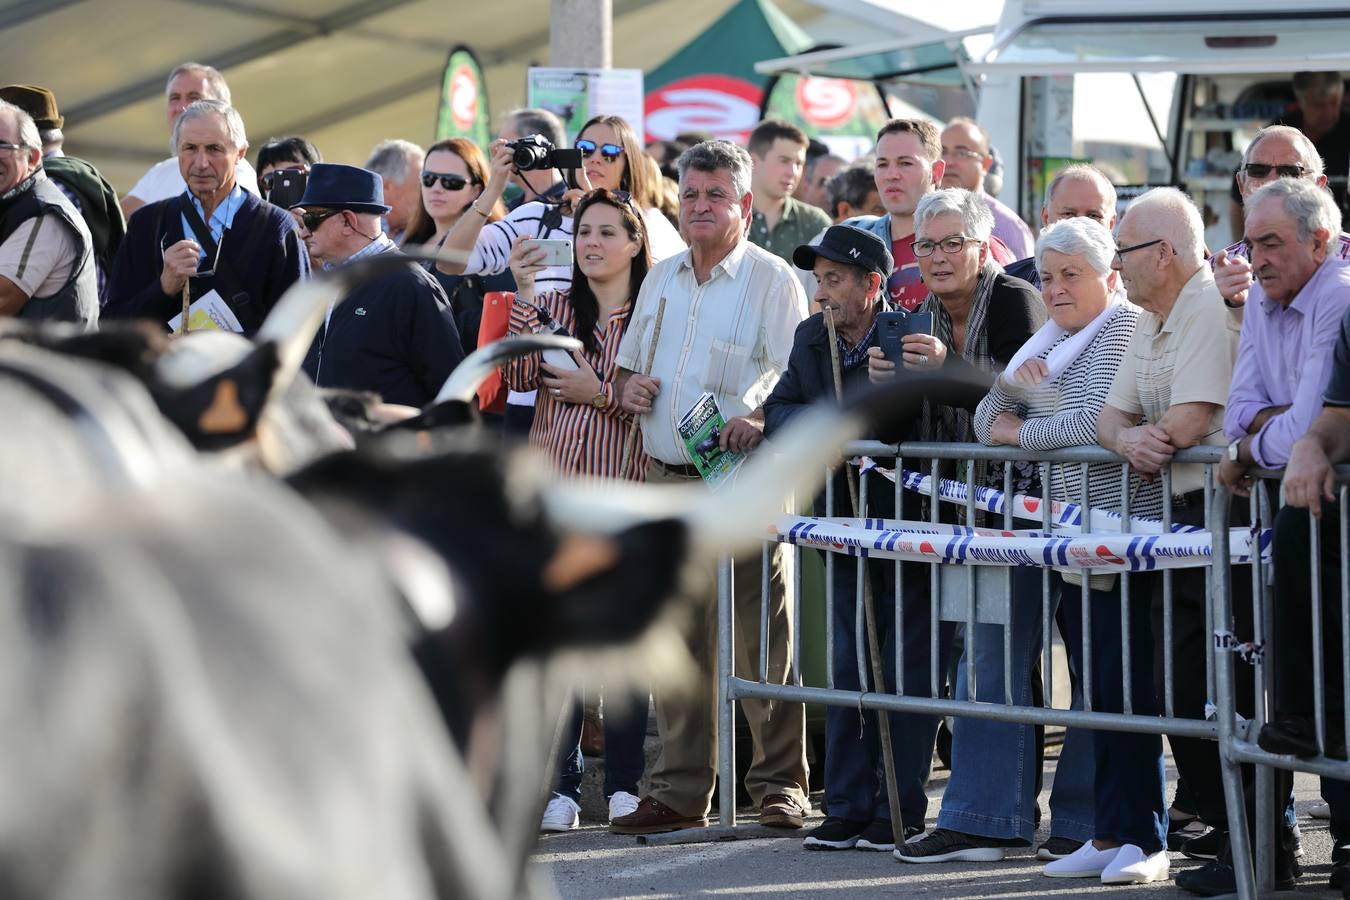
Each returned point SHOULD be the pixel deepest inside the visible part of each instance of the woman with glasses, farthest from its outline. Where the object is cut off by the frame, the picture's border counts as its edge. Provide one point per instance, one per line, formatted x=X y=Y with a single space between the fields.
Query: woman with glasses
x=581 y=427
x=453 y=178
x=613 y=159
x=980 y=317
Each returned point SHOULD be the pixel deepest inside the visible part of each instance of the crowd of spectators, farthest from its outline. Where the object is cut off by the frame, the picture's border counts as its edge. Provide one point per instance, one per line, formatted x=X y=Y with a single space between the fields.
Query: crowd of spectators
x=693 y=263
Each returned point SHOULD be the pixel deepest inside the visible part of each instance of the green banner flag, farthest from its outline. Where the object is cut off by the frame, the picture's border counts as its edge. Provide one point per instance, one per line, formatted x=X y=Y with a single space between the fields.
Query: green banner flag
x=826 y=107
x=462 y=109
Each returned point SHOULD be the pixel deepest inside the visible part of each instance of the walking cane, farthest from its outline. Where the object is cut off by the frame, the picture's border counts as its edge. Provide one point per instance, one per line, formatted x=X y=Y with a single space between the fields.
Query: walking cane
x=869 y=614
x=646 y=370
x=187 y=304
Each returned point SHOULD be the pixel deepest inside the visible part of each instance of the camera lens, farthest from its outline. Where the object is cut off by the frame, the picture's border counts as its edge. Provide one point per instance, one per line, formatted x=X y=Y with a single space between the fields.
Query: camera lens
x=529 y=156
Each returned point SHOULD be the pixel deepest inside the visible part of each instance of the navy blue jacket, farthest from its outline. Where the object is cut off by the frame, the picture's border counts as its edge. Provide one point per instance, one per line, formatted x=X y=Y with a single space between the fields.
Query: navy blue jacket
x=262 y=247
x=395 y=336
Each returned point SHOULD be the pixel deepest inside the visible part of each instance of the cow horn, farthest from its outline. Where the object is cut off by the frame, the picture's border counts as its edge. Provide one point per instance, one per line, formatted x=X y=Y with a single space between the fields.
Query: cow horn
x=464 y=382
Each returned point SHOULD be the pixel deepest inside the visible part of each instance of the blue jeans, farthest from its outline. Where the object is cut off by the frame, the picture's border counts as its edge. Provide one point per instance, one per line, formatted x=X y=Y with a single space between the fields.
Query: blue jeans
x=625 y=734
x=1128 y=780
x=992 y=791
x=855 y=785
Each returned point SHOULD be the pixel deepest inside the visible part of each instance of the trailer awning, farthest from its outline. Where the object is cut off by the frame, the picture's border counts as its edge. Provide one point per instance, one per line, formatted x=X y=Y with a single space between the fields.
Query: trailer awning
x=933 y=62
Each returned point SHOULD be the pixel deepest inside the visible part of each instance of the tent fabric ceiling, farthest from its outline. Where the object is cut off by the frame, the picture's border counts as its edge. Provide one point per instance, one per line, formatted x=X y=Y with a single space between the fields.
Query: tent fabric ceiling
x=345 y=74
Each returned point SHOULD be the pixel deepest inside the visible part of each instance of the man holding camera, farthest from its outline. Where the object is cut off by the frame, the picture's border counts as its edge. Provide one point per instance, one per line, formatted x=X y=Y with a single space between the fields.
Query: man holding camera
x=535 y=184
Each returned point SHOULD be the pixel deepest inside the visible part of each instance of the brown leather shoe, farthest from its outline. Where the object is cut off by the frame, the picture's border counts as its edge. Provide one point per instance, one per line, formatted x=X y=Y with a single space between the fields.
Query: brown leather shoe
x=654 y=817
x=781 y=811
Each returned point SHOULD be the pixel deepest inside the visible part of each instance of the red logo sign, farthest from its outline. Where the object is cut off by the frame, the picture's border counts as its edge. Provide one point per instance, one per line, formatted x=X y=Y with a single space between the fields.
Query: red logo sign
x=1032 y=504
x=725 y=106
x=1104 y=552
x=464 y=97
x=926 y=547
x=827 y=102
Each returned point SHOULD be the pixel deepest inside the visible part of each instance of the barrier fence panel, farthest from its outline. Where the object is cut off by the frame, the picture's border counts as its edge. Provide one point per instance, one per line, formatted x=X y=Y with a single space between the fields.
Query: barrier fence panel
x=1329 y=546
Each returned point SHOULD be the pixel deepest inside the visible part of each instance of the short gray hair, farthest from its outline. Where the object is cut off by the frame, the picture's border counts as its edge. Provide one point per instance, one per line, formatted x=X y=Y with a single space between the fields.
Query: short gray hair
x=1080 y=172
x=392 y=159
x=234 y=125
x=1079 y=236
x=29 y=139
x=714 y=156
x=533 y=120
x=1311 y=207
x=213 y=80
x=1174 y=218
x=52 y=136
x=1307 y=152
x=976 y=219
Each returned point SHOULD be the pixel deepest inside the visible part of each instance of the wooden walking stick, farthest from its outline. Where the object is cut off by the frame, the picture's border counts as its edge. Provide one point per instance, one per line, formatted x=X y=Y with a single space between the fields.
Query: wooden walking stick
x=187 y=304
x=869 y=613
x=630 y=439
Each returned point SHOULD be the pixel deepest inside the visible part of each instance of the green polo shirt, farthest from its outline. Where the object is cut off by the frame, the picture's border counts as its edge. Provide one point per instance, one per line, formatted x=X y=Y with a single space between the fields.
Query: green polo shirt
x=800 y=223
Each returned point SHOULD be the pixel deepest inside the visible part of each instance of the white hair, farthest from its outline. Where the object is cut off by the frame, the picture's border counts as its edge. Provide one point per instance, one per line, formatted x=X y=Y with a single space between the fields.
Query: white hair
x=234 y=125
x=715 y=156
x=1311 y=207
x=29 y=139
x=212 y=81
x=1171 y=216
x=395 y=159
x=976 y=220
x=1079 y=236
x=1307 y=153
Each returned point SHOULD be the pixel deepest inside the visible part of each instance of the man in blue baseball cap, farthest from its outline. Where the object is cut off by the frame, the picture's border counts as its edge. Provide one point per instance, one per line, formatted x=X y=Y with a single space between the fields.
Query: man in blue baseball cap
x=394 y=334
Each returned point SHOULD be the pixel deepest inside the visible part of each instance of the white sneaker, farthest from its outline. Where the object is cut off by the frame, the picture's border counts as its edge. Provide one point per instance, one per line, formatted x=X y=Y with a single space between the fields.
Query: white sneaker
x=1133 y=866
x=561 y=814
x=621 y=804
x=1085 y=862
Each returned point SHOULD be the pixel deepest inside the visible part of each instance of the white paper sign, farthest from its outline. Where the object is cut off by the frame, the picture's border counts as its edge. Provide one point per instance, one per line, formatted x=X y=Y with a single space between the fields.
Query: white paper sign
x=209 y=313
x=575 y=95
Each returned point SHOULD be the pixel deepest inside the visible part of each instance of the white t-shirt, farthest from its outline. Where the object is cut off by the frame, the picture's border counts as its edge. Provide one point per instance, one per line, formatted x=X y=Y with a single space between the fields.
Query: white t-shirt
x=662 y=238
x=164 y=180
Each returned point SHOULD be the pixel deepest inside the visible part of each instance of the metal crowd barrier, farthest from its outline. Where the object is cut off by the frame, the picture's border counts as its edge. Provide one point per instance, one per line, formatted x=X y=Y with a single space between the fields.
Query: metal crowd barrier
x=1255 y=865
x=967 y=594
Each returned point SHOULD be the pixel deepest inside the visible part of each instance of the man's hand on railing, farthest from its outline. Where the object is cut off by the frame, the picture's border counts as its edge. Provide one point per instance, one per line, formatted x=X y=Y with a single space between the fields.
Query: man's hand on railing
x=1147 y=447
x=1308 y=477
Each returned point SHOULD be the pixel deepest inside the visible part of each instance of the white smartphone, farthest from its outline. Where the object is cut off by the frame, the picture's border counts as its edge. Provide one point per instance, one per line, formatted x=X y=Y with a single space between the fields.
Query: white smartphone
x=556 y=252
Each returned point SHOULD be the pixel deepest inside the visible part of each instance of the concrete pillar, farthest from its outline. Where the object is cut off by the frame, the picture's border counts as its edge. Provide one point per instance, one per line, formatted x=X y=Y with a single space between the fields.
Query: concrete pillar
x=581 y=34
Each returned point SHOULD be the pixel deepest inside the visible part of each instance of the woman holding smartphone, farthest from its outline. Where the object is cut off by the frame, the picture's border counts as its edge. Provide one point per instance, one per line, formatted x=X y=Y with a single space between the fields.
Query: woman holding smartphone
x=581 y=427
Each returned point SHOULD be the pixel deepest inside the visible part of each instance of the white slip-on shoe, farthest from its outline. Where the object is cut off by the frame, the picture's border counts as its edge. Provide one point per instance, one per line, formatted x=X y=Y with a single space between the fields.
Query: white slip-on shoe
x=1133 y=866
x=1085 y=862
x=561 y=814
x=621 y=804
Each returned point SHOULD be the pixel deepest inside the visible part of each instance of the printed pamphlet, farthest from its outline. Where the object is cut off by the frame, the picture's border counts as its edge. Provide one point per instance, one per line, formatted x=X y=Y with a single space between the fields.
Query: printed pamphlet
x=701 y=429
x=209 y=313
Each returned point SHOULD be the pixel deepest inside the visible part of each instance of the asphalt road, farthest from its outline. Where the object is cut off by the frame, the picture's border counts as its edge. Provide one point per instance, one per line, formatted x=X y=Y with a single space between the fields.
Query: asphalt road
x=592 y=863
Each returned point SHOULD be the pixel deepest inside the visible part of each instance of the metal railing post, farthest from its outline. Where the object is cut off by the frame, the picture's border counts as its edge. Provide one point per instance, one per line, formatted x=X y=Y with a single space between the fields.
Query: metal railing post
x=726 y=712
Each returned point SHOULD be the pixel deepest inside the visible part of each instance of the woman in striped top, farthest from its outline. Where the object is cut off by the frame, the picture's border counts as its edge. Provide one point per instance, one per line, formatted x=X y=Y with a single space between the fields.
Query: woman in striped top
x=580 y=425
x=1106 y=819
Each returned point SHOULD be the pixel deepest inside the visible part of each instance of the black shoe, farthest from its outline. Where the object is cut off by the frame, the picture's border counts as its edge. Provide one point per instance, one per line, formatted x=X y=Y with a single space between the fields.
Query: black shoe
x=1295 y=735
x=1207 y=846
x=944 y=845
x=1340 y=852
x=877 y=836
x=1180 y=830
x=913 y=831
x=1057 y=848
x=834 y=834
x=1340 y=874
x=1217 y=877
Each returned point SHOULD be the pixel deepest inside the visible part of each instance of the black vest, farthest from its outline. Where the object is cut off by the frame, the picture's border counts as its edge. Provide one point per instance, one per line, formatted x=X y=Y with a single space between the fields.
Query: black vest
x=77 y=300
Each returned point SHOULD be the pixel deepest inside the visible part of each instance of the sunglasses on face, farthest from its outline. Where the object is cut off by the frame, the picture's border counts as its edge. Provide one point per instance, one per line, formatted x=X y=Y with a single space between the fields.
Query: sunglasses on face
x=448 y=181
x=610 y=152
x=1262 y=170
x=312 y=220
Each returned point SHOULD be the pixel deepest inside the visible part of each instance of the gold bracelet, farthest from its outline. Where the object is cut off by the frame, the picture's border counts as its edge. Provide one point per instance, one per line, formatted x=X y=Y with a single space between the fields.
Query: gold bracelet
x=474 y=206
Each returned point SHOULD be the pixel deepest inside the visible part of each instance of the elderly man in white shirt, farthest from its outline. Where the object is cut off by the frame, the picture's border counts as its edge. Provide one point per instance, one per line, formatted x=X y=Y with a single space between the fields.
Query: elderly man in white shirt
x=722 y=315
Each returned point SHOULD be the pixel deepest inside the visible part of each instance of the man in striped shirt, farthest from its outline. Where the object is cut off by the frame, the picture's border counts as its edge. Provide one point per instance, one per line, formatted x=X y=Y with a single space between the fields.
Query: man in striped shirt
x=718 y=318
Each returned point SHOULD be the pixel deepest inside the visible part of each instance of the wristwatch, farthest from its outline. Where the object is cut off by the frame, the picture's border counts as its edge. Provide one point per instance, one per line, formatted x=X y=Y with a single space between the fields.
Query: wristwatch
x=600 y=400
x=1233 y=450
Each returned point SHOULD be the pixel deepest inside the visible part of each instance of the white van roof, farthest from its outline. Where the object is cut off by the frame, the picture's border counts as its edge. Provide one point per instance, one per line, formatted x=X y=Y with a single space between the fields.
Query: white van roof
x=1056 y=37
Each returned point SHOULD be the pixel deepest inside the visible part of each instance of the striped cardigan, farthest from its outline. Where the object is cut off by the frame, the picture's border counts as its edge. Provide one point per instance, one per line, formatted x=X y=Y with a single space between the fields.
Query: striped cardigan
x=577 y=437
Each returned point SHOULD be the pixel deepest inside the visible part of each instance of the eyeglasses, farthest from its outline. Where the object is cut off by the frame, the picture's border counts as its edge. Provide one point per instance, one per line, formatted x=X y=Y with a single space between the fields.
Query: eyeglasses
x=312 y=220
x=1121 y=251
x=266 y=180
x=954 y=243
x=1262 y=170
x=610 y=152
x=7 y=147
x=448 y=180
x=962 y=151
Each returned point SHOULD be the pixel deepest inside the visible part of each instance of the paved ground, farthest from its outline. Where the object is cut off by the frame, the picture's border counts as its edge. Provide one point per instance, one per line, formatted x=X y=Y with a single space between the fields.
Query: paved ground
x=591 y=863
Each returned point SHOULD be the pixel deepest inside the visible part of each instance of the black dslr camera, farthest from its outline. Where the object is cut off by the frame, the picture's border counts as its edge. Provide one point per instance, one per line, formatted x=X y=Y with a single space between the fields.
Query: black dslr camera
x=536 y=152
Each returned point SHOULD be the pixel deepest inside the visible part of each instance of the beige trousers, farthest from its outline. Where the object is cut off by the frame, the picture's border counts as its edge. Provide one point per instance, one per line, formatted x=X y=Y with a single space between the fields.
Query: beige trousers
x=683 y=776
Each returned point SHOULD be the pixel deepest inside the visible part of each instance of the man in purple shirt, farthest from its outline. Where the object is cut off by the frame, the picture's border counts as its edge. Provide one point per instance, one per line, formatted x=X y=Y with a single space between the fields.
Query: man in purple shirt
x=965 y=150
x=1296 y=303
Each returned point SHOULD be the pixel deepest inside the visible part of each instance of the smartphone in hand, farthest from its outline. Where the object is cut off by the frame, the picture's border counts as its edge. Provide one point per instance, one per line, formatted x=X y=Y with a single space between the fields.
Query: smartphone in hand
x=891 y=331
x=556 y=252
x=919 y=323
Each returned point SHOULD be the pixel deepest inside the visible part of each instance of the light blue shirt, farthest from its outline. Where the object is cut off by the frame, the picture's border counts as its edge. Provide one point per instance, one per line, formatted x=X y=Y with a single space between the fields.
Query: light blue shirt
x=221 y=219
